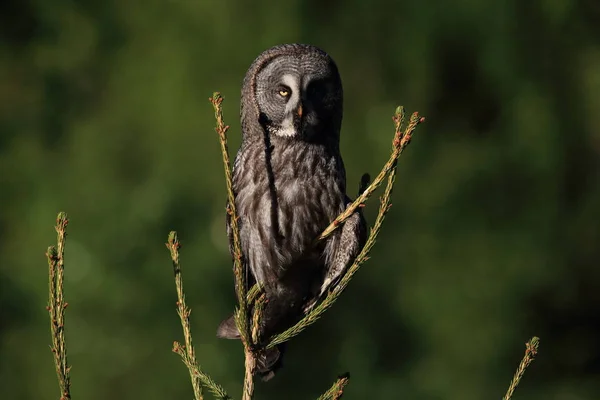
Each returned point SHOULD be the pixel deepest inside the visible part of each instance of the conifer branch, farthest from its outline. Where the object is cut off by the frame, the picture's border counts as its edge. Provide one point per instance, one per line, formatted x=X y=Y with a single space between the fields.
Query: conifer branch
x=187 y=352
x=336 y=391
x=254 y=298
x=253 y=294
x=241 y=314
x=256 y=318
x=249 y=368
x=56 y=306
x=195 y=371
x=531 y=349
x=401 y=140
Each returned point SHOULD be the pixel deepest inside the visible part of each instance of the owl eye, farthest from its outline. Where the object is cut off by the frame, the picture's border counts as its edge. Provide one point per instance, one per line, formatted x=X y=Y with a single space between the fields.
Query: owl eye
x=284 y=91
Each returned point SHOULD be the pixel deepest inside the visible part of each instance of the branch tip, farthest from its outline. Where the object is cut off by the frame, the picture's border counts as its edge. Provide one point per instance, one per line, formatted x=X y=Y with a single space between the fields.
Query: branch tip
x=533 y=345
x=52 y=253
x=62 y=220
x=531 y=350
x=399 y=142
x=57 y=305
x=336 y=391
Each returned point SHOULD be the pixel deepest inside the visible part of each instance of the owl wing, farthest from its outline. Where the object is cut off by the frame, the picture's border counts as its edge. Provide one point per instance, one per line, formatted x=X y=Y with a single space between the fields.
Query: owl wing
x=236 y=171
x=342 y=248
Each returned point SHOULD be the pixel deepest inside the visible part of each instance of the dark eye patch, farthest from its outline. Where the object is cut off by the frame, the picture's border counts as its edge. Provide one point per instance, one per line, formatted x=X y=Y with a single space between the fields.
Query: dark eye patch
x=320 y=92
x=317 y=88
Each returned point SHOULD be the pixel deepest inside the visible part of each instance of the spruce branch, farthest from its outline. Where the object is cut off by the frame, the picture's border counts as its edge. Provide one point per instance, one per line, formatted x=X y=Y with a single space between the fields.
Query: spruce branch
x=241 y=314
x=336 y=391
x=259 y=306
x=216 y=389
x=253 y=294
x=254 y=299
x=249 y=368
x=56 y=306
x=531 y=349
x=187 y=351
x=401 y=140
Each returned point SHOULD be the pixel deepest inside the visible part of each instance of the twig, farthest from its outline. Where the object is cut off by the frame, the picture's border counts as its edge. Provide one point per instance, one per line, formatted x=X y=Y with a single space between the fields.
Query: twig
x=531 y=349
x=400 y=143
x=401 y=140
x=336 y=391
x=253 y=294
x=241 y=314
x=256 y=318
x=56 y=306
x=184 y=312
x=187 y=352
x=195 y=370
x=250 y=367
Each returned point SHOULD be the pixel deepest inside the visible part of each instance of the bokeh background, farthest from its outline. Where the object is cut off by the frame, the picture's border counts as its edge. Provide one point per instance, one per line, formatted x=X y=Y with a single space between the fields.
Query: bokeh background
x=494 y=235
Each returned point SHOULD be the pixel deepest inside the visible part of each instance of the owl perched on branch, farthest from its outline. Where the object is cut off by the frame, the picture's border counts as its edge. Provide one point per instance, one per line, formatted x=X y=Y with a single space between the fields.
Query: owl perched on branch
x=289 y=183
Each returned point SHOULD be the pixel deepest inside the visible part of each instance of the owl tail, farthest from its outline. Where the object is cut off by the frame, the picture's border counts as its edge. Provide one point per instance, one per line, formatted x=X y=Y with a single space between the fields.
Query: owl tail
x=227 y=329
x=267 y=360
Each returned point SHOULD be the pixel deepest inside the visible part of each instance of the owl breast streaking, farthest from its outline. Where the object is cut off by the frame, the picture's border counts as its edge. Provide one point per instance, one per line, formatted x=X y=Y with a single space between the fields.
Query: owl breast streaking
x=289 y=183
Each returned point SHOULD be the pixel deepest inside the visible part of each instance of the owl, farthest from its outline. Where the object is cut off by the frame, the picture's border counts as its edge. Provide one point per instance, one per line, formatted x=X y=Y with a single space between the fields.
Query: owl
x=289 y=183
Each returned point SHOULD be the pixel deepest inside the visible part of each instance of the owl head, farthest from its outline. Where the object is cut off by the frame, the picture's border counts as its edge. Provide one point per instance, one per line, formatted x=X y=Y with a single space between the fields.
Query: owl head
x=293 y=92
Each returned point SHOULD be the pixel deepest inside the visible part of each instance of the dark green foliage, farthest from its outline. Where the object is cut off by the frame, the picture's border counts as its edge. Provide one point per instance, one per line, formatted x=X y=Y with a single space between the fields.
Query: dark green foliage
x=493 y=235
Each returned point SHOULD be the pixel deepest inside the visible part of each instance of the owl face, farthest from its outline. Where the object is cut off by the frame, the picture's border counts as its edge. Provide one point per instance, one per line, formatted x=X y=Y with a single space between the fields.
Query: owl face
x=299 y=95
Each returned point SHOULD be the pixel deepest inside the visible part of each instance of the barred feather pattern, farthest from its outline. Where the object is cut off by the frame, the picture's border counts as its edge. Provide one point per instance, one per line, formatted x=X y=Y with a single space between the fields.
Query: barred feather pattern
x=288 y=188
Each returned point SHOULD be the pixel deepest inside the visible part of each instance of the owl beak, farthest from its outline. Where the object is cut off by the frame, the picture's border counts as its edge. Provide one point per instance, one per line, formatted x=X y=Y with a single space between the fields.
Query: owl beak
x=297 y=119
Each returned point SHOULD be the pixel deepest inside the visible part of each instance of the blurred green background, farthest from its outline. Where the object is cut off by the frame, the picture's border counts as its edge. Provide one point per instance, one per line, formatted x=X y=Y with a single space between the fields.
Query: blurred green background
x=494 y=235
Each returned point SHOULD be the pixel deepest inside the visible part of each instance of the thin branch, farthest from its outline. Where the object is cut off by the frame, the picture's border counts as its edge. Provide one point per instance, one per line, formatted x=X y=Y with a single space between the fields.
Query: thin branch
x=336 y=391
x=400 y=143
x=56 y=306
x=216 y=389
x=250 y=367
x=256 y=299
x=184 y=312
x=401 y=140
x=531 y=349
x=187 y=352
x=253 y=294
x=259 y=306
x=241 y=314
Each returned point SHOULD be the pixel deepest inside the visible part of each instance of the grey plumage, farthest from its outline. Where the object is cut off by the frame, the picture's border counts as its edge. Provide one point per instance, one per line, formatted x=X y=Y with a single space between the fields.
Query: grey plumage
x=290 y=183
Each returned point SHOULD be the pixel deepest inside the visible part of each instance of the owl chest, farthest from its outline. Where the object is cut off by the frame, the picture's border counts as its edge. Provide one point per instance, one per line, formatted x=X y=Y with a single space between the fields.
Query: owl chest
x=289 y=199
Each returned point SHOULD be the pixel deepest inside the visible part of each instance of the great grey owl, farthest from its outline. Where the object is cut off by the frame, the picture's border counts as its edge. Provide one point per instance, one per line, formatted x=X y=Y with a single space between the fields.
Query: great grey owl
x=289 y=183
